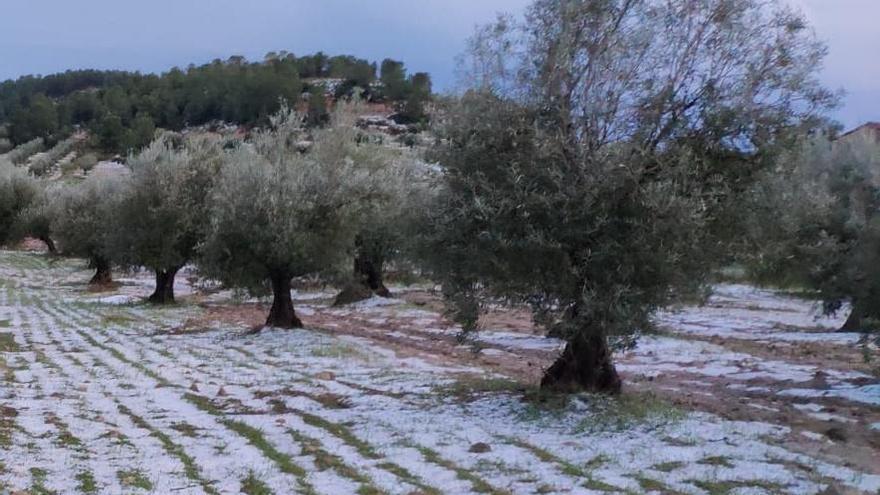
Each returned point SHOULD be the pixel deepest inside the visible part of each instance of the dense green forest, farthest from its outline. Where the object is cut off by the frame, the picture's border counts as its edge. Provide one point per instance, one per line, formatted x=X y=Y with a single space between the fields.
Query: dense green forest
x=123 y=109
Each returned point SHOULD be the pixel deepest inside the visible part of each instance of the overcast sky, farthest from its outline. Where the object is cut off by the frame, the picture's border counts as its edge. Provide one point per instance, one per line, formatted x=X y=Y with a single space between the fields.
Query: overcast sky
x=45 y=36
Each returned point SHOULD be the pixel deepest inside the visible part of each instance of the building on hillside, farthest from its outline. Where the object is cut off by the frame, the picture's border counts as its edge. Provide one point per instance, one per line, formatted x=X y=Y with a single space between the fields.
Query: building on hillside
x=870 y=130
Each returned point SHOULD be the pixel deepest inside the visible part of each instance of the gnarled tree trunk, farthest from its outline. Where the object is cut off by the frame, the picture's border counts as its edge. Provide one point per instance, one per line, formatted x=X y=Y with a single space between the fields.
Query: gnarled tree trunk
x=585 y=365
x=103 y=273
x=282 y=314
x=164 y=291
x=859 y=317
x=368 y=279
x=50 y=244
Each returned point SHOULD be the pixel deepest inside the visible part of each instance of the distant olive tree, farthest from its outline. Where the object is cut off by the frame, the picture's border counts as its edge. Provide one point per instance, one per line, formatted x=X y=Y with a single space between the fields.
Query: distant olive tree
x=161 y=215
x=277 y=213
x=385 y=225
x=82 y=221
x=35 y=220
x=816 y=224
x=596 y=145
x=17 y=191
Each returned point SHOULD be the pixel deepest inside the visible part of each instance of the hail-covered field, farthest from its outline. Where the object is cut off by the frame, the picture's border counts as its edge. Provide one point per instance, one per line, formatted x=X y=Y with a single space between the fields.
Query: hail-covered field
x=748 y=394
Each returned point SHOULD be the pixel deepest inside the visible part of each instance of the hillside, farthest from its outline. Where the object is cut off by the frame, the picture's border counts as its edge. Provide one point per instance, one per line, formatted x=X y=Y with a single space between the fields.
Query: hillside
x=122 y=110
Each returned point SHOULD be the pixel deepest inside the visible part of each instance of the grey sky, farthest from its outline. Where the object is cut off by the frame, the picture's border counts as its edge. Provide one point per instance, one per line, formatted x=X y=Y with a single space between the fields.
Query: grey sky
x=44 y=36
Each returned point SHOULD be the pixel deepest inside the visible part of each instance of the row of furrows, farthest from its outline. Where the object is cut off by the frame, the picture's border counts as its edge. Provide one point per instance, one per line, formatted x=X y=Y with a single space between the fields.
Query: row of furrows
x=95 y=427
x=325 y=436
x=300 y=397
x=216 y=458
x=307 y=409
x=539 y=462
x=369 y=475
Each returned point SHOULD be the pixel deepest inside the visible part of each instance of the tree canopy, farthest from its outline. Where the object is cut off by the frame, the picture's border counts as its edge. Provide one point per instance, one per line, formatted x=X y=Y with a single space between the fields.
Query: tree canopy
x=160 y=216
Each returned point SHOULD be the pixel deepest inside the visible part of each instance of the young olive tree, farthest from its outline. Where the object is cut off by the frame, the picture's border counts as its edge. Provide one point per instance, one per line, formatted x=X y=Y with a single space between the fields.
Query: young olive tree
x=83 y=220
x=596 y=146
x=277 y=213
x=17 y=191
x=160 y=218
x=816 y=224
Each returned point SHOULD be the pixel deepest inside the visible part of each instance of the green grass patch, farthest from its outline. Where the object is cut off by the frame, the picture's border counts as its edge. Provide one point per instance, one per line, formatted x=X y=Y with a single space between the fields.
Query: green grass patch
x=725 y=487
x=38 y=482
x=7 y=343
x=404 y=474
x=284 y=462
x=718 y=460
x=7 y=425
x=116 y=320
x=185 y=429
x=627 y=412
x=546 y=456
x=86 y=482
x=469 y=388
x=251 y=485
x=325 y=460
x=668 y=467
x=479 y=485
x=341 y=432
x=338 y=351
x=4 y=323
x=134 y=479
x=203 y=403
x=7 y=373
x=652 y=485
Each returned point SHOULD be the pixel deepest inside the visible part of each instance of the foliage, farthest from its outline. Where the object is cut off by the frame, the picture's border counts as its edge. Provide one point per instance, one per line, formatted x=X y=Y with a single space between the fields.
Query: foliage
x=160 y=215
x=82 y=216
x=276 y=210
x=816 y=224
x=581 y=175
x=35 y=220
x=22 y=152
x=44 y=162
x=17 y=192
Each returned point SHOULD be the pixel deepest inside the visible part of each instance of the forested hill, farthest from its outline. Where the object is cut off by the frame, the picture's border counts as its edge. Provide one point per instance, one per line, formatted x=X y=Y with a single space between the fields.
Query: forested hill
x=123 y=109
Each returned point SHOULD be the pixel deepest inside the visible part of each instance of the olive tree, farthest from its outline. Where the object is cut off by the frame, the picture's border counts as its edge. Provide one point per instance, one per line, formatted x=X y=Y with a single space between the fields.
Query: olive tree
x=816 y=224
x=384 y=225
x=278 y=213
x=17 y=191
x=83 y=220
x=160 y=217
x=35 y=220
x=596 y=145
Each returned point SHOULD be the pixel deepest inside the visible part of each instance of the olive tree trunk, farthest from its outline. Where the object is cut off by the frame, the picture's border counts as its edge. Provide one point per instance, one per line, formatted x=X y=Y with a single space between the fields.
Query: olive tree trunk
x=368 y=280
x=103 y=273
x=586 y=365
x=282 y=314
x=50 y=244
x=164 y=291
x=859 y=316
